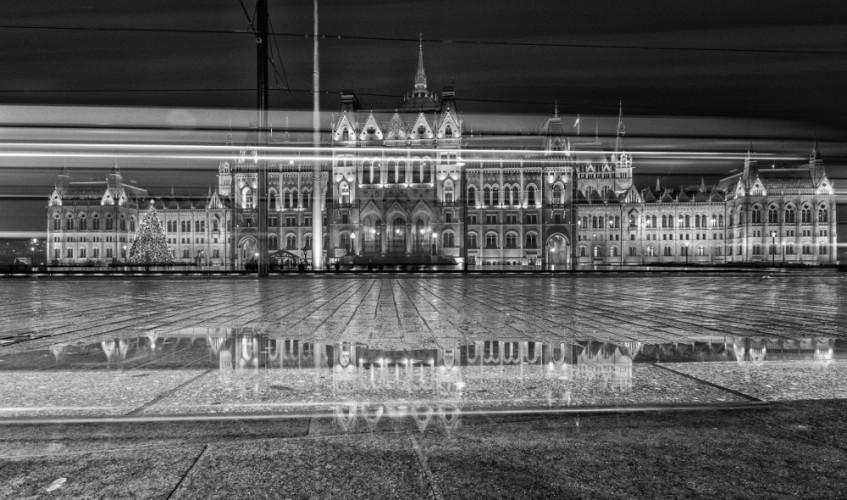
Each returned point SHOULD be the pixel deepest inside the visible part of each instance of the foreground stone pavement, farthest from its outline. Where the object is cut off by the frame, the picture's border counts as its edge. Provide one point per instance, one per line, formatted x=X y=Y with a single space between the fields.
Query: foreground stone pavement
x=791 y=450
x=431 y=310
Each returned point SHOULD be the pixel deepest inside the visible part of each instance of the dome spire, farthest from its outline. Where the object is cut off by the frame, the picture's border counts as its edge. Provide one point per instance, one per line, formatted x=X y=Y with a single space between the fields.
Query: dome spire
x=420 y=76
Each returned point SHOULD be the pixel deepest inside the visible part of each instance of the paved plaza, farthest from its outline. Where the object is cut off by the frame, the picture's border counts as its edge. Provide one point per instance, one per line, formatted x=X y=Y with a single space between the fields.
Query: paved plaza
x=680 y=385
x=412 y=311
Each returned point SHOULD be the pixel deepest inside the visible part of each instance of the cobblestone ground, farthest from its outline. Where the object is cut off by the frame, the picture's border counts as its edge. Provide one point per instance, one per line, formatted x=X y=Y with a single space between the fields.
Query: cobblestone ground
x=431 y=310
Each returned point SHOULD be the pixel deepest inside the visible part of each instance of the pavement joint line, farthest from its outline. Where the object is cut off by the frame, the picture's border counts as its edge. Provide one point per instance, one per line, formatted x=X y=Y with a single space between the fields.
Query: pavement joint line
x=710 y=384
x=187 y=472
x=552 y=412
x=167 y=393
x=433 y=487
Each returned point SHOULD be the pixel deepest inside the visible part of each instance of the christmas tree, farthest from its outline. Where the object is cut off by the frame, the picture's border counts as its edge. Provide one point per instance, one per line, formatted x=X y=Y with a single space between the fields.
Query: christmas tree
x=150 y=246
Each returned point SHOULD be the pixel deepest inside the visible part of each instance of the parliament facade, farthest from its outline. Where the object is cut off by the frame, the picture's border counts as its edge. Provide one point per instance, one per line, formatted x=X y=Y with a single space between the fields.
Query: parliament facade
x=403 y=187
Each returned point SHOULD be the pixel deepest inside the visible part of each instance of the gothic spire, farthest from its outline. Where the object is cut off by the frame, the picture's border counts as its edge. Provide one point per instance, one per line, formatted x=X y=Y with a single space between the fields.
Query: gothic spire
x=621 y=130
x=420 y=76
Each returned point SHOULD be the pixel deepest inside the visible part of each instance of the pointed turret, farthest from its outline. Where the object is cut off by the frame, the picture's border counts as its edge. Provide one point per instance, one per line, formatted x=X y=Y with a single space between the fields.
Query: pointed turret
x=658 y=186
x=420 y=76
x=816 y=164
x=620 y=131
x=749 y=163
x=702 y=188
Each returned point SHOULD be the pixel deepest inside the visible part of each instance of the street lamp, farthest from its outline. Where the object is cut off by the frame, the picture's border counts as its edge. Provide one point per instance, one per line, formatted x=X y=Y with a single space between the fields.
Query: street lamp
x=685 y=247
x=434 y=242
x=353 y=243
x=123 y=253
x=773 y=248
x=32 y=255
x=783 y=253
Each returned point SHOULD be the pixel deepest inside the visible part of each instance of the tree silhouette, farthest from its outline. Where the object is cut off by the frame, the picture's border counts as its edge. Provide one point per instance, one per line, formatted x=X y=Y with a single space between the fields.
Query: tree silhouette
x=150 y=245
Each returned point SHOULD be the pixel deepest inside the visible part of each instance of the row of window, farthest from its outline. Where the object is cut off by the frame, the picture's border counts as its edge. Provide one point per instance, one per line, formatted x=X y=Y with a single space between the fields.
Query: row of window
x=789 y=215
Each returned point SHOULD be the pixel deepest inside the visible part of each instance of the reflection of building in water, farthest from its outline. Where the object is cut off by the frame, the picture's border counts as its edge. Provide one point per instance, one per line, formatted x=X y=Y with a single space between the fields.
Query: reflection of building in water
x=759 y=349
x=348 y=415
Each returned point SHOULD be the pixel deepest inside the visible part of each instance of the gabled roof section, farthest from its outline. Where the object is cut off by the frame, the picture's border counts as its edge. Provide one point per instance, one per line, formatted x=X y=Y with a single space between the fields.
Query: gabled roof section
x=345 y=129
x=396 y=128
x=682 y=197
x=631 y=195
x=648 y=196
x=450 y=123
x=421 y=129
x=371 y=131
x=716 y=197
x=667 y=197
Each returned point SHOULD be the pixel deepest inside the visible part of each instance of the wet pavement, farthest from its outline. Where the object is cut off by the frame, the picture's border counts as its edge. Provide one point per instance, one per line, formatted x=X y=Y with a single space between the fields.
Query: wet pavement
x=593 y=386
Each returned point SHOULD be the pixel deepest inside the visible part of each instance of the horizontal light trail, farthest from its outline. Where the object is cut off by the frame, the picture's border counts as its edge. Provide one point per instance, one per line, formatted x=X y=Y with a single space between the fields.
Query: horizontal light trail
x=308 y=154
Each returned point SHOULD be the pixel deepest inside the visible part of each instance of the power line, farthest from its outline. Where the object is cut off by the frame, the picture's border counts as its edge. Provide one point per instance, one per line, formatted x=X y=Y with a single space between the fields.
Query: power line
x=611 y=107
x=339 y=36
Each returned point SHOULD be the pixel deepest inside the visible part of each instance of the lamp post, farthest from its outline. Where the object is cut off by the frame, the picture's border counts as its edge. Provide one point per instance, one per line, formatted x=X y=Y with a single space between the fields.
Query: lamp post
x=123 y=253
x=434 y=242
x=773 y=248
x=685 y=249
x=352 y=243
x=783 y=253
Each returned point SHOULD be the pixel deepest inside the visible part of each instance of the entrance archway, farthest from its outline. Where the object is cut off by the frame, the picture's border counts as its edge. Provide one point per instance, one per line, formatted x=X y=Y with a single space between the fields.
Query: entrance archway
x=248 y=249
x=558 y=252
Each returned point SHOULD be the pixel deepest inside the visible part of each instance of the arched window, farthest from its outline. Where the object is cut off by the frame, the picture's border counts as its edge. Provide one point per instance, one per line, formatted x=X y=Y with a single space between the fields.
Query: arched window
x=273 y=244
x=823 y=214
x=393 y=177
x=773 y=218
x=593 y=222
x=344 y=193
x=448 y=191
x=344 y=241
x=472 y=243
x=273 y=205
x=83 y=224
x=531 y=241
x=582 y=251
x=247 y=198
x=110 y=223
x=486 y=196
x=291 y=242
x=756 y=215
x=95 y=222
x=448 y=240
x=307 y=245
x=491 y=240
x=511 y=240
x=720 y=220
x=558 y=195
x=806 y=215
x=530 y=195
x=69 y=223
x=668 y=251
x=495 y=196
x=516 y=196
x=132 y=224
x=215 y=224
x=471 y=195
x=790 y=216
x=600 y=222
x=122 y=226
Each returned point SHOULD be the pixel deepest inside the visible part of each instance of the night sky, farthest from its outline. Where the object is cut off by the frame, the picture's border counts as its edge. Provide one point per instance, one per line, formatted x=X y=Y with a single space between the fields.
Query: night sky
x=727 y=73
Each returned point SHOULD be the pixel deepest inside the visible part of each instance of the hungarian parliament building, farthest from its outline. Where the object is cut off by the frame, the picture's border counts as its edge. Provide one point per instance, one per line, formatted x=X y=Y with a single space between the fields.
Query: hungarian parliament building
x=402 y=186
